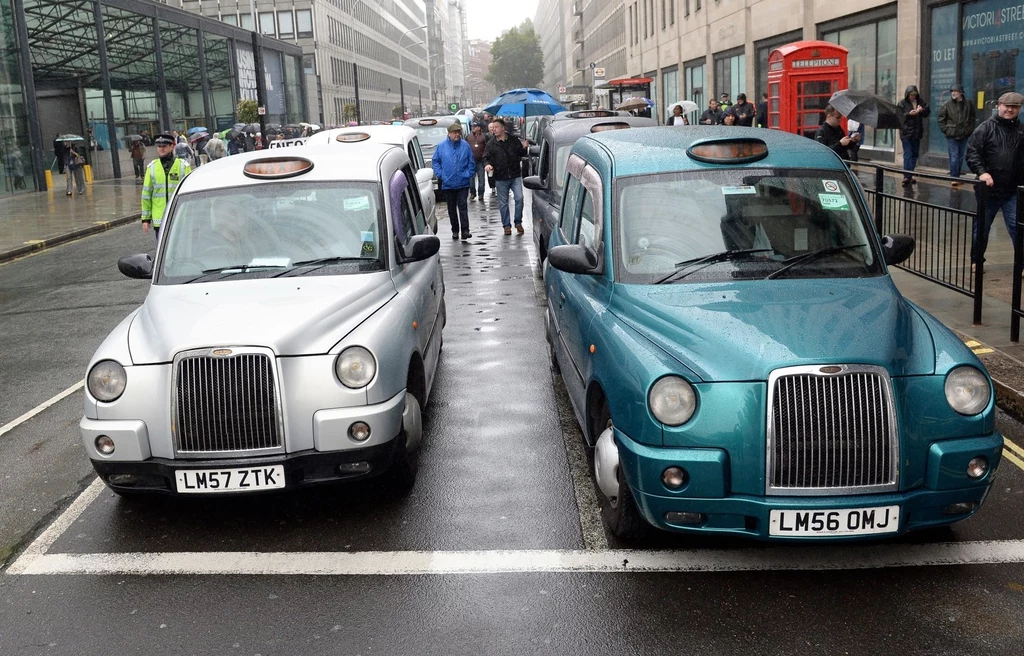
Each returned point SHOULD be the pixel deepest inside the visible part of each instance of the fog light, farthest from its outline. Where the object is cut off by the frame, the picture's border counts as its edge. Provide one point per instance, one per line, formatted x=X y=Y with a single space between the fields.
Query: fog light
x=353 y=468
x=121 y=479
x=960 y=508
x=105 y=445
x=674 y=478
x=977 y=467
x=684 y=517
x=359 y=431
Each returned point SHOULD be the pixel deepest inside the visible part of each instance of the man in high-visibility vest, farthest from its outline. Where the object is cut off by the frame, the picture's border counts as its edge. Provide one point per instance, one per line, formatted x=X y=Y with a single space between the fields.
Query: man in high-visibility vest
x=162 y=177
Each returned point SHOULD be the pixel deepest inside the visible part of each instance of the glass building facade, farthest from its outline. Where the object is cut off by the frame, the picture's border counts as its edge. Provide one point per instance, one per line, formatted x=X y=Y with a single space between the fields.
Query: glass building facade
x=107 y=69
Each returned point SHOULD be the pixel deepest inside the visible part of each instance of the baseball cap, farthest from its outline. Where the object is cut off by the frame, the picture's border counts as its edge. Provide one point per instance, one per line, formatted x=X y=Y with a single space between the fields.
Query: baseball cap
x=455 y=127
x=164 y=139
x=1012 y=99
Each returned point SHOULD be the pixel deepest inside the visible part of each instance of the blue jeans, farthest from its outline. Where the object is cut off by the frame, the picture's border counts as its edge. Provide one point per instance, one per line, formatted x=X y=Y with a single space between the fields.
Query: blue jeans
x=458 y=209
x=911 y=150
x=479 y=180
x=515 y=185
x=957 y=153
x=995 y=201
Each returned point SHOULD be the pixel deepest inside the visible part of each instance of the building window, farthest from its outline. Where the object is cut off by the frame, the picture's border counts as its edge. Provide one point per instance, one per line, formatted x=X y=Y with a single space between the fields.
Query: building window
x=632 y=27
x=686 y=8
x=671 y=12
x=230 y=19
x=670 y=90
x=245 y=21
x=698 y=6
x=645 y=19
x=267 y=23
x=694 y=77
x=664 y=19
x=731 y=74
x=285 y=25
x=304 y=23
x=761 y=51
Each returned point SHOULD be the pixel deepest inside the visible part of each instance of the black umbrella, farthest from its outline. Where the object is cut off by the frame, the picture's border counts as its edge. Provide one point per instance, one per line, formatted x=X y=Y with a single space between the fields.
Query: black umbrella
x=867 y=108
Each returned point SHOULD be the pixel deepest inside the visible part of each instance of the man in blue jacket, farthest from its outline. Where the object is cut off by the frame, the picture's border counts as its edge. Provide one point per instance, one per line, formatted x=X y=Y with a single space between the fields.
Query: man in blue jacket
x=454 y=167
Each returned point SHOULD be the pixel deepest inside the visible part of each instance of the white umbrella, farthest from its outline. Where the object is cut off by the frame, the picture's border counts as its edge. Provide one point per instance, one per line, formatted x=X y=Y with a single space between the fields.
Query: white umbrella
x=687 y=105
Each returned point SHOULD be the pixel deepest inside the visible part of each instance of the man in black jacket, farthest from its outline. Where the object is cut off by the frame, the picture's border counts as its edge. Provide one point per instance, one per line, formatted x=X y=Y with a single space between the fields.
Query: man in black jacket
x=501 y=158
x=956 y=120
x=744 y=111
x=831 y=134
x=712 y=115
x=915 y=111
x=994 y=155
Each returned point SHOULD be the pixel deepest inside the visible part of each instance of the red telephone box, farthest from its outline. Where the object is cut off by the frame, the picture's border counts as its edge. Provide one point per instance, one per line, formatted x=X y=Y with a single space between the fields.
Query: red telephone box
x=802 y=76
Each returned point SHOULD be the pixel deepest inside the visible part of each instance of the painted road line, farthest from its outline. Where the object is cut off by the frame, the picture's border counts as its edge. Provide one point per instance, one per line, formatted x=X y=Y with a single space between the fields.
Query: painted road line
x=39 y=408
x=982 y=351
x=419 y=563
x=1012 y=458
x=1007 y=442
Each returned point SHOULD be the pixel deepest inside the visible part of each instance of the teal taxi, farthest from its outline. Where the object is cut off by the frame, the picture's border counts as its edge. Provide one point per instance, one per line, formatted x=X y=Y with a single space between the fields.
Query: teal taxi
x=737 y=355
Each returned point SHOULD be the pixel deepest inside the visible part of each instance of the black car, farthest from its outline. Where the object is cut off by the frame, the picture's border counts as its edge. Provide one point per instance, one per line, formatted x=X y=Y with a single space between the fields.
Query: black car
x=555 y=142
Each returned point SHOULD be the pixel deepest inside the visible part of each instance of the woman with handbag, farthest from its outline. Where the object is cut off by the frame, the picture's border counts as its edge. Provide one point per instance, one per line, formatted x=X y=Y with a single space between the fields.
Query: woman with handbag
x=74 y=163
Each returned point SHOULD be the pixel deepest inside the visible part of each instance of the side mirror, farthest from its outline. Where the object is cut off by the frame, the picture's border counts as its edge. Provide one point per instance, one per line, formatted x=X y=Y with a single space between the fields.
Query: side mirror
x=136 y=266
x=574 y=258
x=897 y=248
x=534 y=182
x=534 y=151
x=419 y=247
x=424 y=175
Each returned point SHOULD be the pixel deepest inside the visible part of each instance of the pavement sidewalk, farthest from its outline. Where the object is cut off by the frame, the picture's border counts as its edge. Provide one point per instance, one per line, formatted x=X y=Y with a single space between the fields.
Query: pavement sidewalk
x=34 y=221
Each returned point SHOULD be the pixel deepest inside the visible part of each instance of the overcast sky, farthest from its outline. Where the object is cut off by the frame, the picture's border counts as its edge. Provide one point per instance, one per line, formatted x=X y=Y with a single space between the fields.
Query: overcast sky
x=487 y=19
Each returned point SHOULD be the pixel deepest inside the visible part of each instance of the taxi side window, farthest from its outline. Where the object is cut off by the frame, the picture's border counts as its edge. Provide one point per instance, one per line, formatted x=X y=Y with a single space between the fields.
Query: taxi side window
x=543 y=161
x=415 y=207
x=587 y=228
x=572 y=196
x=415 y=154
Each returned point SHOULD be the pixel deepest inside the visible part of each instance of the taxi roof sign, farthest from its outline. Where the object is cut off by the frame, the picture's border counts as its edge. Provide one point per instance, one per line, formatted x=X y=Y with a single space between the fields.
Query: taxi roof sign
x=728 y=151
x=276 y=168
x=352 y=137
x=428 y=121
x=617 y=125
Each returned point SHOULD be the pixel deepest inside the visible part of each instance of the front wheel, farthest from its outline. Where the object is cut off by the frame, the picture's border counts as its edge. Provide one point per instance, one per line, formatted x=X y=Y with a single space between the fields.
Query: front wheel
x=402 y=474
x=619 y=511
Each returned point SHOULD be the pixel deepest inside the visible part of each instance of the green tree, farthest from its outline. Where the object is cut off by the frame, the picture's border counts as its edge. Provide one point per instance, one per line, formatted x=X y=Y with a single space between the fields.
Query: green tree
x=396 y=111
x=248 y=111
x=348 y=112
x=516 y=59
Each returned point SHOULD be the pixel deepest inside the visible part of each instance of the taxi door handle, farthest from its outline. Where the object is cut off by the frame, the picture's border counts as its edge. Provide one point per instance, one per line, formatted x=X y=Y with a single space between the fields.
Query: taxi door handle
x=432 y=290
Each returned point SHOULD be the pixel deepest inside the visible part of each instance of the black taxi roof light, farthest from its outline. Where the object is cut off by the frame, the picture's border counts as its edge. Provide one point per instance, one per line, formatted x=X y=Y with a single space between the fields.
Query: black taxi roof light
x=591 y=113
x=352 y=137
x=428 y=121
x=275 y=168
x=728 y=151
x=602 y=127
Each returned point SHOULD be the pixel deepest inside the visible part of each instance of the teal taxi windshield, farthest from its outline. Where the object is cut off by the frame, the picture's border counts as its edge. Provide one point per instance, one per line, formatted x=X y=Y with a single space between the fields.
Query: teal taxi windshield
x=286 y=229
x=747 y=224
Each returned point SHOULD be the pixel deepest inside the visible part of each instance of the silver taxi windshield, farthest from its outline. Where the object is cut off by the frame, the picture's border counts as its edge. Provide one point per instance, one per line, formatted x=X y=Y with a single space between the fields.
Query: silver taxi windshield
x=782 y=215
x=262 y=230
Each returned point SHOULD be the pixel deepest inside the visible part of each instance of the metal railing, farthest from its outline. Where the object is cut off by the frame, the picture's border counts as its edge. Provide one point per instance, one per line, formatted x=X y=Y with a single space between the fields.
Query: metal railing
x=943 y=235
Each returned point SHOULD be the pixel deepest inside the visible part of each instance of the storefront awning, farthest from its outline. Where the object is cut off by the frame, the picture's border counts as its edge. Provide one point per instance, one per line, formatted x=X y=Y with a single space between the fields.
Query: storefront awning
x=625 y=82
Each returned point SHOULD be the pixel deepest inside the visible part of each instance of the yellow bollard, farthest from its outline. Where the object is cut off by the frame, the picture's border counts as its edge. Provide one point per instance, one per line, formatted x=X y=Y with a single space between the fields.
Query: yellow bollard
x=88 y=172
x=49 y=179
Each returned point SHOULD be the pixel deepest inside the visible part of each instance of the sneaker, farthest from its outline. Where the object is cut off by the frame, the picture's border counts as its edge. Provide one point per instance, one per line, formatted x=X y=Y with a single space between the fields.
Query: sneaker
x=455 y=235
x=466 y=236
x=907 y=182
x=954 y=183
x=519 y=228
x=508 y=230
x=472 y=197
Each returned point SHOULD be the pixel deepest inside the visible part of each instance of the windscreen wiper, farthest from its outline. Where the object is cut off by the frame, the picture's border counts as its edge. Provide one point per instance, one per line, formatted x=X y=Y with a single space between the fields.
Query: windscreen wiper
x=325 y=260
x=235 y=268
x=809 y=257
x=680 y=267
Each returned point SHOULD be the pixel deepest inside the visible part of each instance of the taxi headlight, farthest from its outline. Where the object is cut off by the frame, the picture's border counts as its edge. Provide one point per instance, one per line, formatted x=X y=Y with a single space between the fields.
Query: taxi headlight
x=107 y=380
x=672 y=400
x=355 y=367
x=967 y=390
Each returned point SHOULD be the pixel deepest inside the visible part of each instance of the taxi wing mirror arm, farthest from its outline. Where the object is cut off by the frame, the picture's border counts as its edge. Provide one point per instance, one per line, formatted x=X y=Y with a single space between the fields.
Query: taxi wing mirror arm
x=534 y=183
x=576 y=258
x=418 y=248
x=136 y=266
x=897 y=248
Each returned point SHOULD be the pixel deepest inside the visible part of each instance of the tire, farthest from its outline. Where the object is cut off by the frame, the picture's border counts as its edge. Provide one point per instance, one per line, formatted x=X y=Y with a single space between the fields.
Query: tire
x=551 y=345
x=402 y=473
x=620 y=515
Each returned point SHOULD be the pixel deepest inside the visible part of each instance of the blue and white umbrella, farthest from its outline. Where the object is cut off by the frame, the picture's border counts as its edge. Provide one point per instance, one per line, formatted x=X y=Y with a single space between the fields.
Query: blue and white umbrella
x=524 y=102
x=197 y=128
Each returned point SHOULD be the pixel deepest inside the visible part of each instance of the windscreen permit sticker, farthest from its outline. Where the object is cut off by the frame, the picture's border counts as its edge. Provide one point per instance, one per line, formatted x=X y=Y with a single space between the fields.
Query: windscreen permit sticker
x=833 y=202
x=356 y=204
x=369 y=242
x=739 y=190
x=831 y=186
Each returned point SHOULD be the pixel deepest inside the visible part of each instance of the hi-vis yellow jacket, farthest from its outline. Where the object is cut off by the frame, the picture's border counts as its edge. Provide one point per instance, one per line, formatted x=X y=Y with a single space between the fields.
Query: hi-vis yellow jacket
x=158 y=187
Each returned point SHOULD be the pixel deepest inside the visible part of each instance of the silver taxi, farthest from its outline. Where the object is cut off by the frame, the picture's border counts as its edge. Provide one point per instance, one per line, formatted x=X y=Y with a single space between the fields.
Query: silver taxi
x=290 y=335
x=397 y=135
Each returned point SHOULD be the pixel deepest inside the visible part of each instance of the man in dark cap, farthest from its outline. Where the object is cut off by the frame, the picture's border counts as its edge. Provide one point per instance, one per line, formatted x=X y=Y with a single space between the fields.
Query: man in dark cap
x=956 y=120
x=162 y=177
x=994 y=155
x=744 y=111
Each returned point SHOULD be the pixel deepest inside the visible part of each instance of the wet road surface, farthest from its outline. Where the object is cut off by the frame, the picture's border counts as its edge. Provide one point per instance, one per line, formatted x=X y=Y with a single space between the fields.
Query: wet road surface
x=498 y=550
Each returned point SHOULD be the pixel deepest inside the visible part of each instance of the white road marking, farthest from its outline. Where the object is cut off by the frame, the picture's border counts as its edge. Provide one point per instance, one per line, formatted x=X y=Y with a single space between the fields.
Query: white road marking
x=46 y=539
x=39 y=408
x=418 y=563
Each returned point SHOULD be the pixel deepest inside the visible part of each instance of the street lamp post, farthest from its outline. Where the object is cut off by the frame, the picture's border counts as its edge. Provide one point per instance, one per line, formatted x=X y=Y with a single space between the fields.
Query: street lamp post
x=401 y=68
x=433 y=85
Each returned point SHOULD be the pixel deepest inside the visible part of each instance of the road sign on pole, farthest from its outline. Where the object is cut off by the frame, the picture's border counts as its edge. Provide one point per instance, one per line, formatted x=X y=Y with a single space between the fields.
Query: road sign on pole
x=262 y=111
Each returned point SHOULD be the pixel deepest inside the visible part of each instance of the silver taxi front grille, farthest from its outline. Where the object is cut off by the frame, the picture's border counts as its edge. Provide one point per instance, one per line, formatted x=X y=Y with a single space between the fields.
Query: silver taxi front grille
x=831 y=430
x=226 y=403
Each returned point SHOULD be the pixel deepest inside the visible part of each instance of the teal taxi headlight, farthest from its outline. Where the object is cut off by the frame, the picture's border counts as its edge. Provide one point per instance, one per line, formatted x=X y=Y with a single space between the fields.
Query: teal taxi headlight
x=355 y=367
x=672 y=400
x=967 y=390
x=107 y=380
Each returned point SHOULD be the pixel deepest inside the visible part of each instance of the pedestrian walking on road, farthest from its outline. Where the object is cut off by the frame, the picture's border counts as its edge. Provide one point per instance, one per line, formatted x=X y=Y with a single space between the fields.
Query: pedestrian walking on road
x=216 y=148
x=60 y=151
x=761 y=119
x=478 y=143
x=994 y=154
x=162 y=177
x=138 y=152
x=712 y=115
x=915 y=111
x=956 y=120
x=677 y=117
x=455 y=167
x=502 y=157
x=74 y=164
